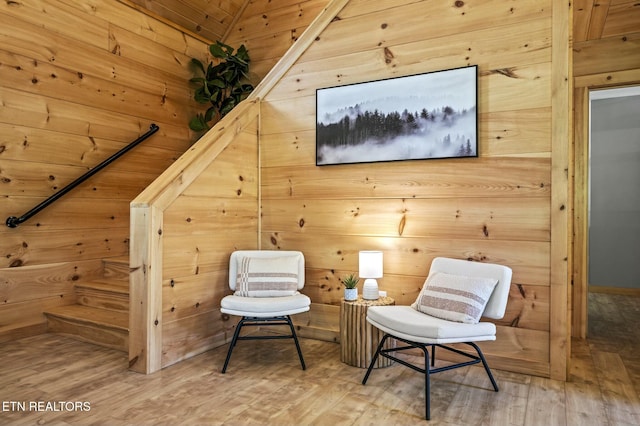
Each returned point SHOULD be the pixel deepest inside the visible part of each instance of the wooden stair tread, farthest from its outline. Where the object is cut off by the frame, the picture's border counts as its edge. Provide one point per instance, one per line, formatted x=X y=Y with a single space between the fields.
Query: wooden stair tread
x=116 y=268
x=118 y=259
x=101 y=313
x=113 y=286
x=95 y=316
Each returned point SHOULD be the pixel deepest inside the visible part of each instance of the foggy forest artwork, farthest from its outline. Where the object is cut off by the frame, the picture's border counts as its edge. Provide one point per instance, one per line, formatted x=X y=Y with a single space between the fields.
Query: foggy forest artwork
x=421 y=116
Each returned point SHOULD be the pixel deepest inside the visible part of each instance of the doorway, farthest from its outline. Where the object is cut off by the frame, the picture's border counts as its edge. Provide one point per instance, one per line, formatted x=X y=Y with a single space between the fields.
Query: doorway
x=582 y=189
x=614 y=190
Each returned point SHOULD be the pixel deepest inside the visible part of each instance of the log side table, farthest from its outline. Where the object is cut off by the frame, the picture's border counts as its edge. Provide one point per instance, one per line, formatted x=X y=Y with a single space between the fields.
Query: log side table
x=359 y=339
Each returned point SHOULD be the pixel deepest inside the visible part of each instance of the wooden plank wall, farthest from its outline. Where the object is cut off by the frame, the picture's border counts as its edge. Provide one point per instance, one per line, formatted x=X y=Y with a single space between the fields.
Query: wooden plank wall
x=215 y=215
x=269 y=28
x=496 y=208
x=78 y=81
x=606 y=54
x=183 y=228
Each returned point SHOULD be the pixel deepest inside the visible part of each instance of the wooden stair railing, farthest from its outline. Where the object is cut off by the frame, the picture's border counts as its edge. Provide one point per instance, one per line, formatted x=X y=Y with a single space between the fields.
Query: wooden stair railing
x=147 y=228
x=147 y=210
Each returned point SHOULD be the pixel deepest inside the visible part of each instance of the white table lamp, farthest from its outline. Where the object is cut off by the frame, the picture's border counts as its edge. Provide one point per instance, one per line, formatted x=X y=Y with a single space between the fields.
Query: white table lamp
x=370 y=265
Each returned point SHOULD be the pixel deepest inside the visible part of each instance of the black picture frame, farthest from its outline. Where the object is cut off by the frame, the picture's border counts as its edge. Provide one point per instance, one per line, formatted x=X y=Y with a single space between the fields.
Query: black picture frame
x=417 y=117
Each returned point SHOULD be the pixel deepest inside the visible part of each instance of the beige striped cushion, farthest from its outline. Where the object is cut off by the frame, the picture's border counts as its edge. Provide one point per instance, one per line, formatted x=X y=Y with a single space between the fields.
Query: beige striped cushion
x=267 y=276
x=455 y=297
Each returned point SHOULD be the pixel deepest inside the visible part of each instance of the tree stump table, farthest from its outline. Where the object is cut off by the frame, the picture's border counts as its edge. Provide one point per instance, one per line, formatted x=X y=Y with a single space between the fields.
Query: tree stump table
x=359 y=339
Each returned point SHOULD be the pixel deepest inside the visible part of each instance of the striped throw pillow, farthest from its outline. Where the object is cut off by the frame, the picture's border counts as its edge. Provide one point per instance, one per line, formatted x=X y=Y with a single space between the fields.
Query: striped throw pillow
x=455 y=297
x=267 y=276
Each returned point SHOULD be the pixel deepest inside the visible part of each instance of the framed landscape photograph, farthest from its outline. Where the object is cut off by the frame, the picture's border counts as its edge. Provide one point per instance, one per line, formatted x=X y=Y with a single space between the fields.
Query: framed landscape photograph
x=417 y=117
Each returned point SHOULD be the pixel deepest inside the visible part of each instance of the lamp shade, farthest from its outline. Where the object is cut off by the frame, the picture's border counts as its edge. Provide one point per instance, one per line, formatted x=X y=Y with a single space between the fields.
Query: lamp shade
x=370 y=264
x=370 y=268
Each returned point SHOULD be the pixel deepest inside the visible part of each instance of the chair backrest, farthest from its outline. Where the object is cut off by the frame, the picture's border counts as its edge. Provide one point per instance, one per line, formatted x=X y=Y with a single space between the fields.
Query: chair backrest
x=497 y=304
x=238 y=255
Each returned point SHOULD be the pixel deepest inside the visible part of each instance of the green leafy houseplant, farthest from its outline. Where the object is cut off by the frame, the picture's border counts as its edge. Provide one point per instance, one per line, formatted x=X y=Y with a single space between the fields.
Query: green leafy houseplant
x=224 y=84
x=350 y=281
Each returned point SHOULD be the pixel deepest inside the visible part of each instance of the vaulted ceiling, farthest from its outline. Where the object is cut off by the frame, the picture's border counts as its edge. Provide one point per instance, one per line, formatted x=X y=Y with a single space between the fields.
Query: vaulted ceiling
x=213 y=19
x=596 y=19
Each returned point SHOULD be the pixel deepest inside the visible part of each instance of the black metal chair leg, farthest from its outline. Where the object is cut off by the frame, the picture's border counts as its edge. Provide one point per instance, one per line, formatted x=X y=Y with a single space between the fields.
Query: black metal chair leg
x=486 y=366
x=232 y=344
x=375 y=358
x=295 y=338
x=427 y=382
x=252 y=321
x=433 y=355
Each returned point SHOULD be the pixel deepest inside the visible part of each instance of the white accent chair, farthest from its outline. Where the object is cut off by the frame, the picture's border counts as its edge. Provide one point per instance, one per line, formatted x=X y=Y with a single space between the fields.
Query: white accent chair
x=419 y=330
x=266 y=286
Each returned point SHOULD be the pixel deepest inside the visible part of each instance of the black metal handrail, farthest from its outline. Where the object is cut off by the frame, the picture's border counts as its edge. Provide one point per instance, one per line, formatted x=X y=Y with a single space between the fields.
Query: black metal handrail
x=13 y=221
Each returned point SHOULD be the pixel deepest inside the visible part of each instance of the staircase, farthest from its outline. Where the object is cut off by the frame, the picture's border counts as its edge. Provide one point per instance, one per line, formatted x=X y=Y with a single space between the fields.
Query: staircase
x=101 y=312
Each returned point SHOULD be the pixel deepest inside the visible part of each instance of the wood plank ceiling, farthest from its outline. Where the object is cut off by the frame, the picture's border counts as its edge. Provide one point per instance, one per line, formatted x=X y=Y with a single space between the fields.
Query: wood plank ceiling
x=210 y=19
x=598 y=19
x=213 y=19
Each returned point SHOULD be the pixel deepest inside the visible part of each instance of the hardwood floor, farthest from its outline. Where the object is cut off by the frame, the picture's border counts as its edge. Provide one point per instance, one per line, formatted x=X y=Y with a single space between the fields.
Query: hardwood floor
x=82 y=384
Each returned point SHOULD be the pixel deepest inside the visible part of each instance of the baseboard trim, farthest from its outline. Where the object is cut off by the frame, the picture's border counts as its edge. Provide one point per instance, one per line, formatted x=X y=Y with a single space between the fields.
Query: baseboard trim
x=615 y=290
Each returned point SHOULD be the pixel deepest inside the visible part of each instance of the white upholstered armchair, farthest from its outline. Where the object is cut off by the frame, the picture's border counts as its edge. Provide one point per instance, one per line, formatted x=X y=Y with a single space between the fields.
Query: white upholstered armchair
x=456 y=294
x=266 y=285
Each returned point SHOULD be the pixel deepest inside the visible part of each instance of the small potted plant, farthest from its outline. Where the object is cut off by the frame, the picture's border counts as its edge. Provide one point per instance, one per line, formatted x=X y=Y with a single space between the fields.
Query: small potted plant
x=350 y=290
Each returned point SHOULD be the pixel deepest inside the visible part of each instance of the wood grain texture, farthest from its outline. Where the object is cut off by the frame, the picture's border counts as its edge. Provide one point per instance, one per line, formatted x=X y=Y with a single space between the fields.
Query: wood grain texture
x=79 y=81
x=358 y=339
x=609 y=57
x=518 y=177
x=41 y=281
x=606 y=55
x=39 y=369
x=622 y=18
x=488 y=219
x=193 y=241
x=87 y=324
x=210 y=20
x=268 y=29
x=561 y=196
x=415 y=210
x=580 y=213
x=516 y=135
x=390 y=24
x=192 y=295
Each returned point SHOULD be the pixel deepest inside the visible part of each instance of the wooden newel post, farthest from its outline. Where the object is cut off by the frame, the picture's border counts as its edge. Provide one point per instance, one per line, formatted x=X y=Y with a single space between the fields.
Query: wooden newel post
x=358 y=338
